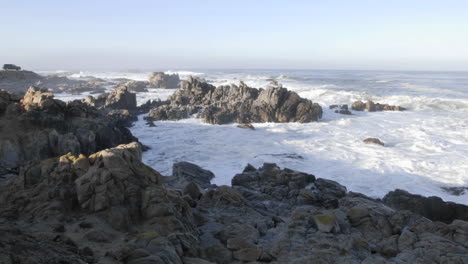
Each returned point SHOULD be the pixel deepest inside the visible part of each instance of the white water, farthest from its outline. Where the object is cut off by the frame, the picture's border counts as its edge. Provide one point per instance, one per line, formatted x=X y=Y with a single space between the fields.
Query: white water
x=426 y=147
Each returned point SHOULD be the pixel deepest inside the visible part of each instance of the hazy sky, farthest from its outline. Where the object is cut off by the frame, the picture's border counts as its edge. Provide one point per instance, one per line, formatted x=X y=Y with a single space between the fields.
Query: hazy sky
x=392 y=34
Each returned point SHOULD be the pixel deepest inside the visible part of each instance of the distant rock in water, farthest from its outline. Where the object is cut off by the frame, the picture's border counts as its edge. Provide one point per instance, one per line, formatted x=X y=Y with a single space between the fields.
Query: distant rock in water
x=248 y=126
x=370 y=106
x=373 y=141
x=241 y=104
x=163 y=80
x=342 y=109
x=37 y=126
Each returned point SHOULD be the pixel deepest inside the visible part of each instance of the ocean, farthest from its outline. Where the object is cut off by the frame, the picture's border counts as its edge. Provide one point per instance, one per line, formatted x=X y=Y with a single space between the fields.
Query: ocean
x=426 y=147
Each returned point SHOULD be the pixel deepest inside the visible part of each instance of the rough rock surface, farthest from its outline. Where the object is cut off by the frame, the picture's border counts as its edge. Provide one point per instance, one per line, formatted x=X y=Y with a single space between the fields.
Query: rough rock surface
x=370 y=106
x=163 y=80
x=432 y=207
x=39 y=127
x=120 y=98
x=111 y=208
x=240 y=104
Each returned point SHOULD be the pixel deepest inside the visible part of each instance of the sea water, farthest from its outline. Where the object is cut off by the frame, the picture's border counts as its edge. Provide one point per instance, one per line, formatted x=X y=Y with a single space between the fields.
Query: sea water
x=426 y=147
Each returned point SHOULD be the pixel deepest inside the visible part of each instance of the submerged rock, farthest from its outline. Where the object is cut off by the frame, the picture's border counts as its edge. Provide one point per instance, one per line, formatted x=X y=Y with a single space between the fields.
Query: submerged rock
x=373 y=141
x=248 y=126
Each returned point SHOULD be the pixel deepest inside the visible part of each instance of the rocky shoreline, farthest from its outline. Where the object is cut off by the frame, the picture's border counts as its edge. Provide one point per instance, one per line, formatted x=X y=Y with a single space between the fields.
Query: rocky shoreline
x=78 y=192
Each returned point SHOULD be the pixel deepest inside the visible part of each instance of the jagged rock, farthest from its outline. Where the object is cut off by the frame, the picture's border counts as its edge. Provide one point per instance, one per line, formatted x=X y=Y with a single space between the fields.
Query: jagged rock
x=184 y=173
x=240 y=104
x=431 y=207
x=372 y=107
x=41 y=127
x=373 y=141
x=120 y=98
x=130 y=215
x=162 y=80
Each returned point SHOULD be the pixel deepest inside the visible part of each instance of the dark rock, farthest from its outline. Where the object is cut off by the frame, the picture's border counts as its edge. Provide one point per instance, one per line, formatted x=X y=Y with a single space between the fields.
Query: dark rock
x=185 y=172
x=41 y=127
x=248 y=126
x=373 y=141
x=431 y=207
x=457 y=191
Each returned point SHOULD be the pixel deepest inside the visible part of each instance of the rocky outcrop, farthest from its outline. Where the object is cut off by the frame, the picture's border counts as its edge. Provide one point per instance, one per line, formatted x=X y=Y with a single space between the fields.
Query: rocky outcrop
x=240 y=104
x=111 y=208
x=370 y=106
x=20 y=81
x=39 y=127
x=163 y=80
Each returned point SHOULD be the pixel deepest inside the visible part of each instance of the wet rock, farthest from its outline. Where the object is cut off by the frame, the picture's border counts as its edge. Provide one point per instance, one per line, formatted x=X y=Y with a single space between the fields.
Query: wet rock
x=457 y=191
x=247 y=126
x=373 y=141
x=370 y=106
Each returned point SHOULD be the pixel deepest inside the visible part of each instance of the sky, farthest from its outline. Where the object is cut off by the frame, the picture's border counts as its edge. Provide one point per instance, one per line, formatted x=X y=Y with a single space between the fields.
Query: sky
x=255 y=34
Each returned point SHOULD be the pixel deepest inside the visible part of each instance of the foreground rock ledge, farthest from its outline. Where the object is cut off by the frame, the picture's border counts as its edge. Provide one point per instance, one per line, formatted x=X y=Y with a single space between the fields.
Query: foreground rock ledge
x=241 y=104
x=111 y=208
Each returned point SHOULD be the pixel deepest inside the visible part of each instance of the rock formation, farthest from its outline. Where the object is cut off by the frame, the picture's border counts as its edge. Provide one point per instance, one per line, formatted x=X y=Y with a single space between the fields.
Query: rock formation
x=109 y=207
x=120 y=98
x=37 y=126
x=162 y=80
x=240 y=104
